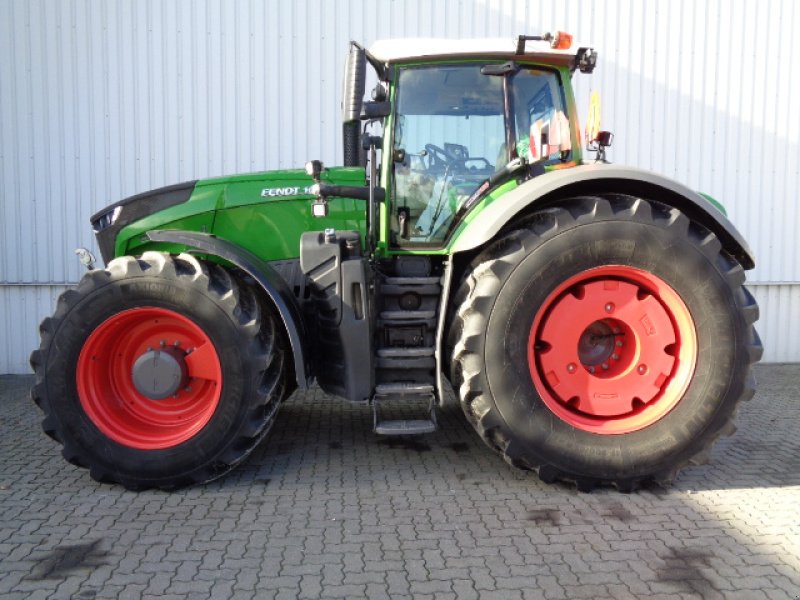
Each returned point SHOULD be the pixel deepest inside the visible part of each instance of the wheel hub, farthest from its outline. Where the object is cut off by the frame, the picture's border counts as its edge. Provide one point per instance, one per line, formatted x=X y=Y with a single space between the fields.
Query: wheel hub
x=159 y=374
x=149 y=378
x=596 y=344
x=612 y=350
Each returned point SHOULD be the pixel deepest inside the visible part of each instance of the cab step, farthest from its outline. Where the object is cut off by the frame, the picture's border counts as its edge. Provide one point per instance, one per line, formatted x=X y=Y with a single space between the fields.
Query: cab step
x=404 y=352
x=408 y=315
x=405 y=393
x=403 y=389
x=411 y=427
x=412 y=280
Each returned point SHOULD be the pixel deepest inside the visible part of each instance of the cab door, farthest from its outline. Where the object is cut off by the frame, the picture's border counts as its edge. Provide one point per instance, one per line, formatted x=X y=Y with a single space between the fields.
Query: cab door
x=449 y=137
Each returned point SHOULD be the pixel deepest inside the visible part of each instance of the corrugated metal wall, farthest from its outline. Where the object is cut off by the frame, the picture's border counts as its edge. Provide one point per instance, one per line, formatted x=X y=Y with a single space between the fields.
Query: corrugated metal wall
x=102 y=99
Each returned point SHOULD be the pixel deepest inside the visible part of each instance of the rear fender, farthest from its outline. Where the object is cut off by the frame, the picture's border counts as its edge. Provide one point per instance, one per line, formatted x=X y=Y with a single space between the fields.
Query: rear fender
x=272 y=284
x=599 y=178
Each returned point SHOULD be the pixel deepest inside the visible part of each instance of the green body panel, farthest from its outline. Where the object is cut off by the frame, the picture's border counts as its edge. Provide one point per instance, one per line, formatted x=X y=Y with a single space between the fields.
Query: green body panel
x=485 y=203
x=234 y=208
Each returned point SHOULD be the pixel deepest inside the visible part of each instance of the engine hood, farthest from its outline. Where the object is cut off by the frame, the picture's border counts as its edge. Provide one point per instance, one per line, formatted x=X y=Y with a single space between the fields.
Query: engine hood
x=192 y=205
x=255 y=188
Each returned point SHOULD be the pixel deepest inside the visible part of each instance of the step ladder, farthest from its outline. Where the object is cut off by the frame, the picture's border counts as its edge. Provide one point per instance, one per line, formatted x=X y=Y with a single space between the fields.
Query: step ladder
x=406 y=393
x=405 y=355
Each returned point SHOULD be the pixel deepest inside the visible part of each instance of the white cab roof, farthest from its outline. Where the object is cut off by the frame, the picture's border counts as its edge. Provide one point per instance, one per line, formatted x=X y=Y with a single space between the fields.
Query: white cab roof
x=417 y=48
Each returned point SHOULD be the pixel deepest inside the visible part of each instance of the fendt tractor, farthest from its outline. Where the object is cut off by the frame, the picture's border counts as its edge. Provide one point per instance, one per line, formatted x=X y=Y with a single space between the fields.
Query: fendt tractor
x=591 y=318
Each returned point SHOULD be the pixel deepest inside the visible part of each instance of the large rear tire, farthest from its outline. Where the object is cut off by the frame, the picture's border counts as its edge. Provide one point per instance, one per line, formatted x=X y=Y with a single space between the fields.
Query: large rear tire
x=605 y=341
x=159 y=372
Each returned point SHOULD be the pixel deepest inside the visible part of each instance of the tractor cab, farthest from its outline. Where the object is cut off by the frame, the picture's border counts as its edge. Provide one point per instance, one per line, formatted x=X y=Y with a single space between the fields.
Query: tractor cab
x=461 y=118
x=454 y=129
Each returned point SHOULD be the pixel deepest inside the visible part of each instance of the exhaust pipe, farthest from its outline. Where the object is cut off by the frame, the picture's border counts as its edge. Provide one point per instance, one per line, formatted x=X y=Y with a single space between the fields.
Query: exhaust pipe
x=355 y=73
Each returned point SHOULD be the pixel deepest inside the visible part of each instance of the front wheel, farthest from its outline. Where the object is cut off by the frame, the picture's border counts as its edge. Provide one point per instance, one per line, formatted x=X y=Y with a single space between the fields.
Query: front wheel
x=608 y=340
x=159 y=371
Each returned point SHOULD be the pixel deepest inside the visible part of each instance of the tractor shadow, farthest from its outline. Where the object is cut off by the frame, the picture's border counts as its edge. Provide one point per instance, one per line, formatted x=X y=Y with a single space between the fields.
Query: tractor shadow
x=314 y=429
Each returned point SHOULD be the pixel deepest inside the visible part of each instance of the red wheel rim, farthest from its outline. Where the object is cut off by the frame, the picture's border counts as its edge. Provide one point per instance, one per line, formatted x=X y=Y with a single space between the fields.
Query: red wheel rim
x=612 y=350
x=112 y=401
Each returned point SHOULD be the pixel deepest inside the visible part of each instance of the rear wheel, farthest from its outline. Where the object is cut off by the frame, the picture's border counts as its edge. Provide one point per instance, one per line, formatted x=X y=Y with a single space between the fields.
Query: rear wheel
x=159 y=371
x=605 y=341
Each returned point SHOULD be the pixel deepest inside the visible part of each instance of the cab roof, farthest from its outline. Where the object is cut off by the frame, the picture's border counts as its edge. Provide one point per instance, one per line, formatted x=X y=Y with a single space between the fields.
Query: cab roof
x=410 y=49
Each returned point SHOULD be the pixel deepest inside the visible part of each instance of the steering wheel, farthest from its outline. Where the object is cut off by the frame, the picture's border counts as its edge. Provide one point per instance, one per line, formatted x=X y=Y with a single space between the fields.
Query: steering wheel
x=439 y=158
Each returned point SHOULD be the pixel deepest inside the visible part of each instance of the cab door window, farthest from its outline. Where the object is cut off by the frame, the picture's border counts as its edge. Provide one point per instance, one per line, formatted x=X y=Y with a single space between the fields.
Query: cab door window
x=450 y=137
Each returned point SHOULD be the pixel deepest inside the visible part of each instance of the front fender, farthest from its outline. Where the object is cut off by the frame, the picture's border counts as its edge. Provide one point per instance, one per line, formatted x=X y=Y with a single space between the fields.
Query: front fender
x=591 y=179
x=273 y=285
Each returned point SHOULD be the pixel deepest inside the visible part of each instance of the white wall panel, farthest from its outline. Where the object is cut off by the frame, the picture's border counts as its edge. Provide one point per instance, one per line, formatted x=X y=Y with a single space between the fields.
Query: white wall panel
x=103 y=99
x=24 y=306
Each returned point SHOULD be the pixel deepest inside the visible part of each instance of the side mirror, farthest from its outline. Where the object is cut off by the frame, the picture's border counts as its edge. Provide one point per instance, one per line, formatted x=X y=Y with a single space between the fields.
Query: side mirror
x=604 y=138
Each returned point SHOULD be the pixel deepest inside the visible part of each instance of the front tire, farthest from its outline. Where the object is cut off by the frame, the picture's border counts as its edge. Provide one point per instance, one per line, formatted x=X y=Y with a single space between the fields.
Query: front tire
x=606 y=341
x=159 y=372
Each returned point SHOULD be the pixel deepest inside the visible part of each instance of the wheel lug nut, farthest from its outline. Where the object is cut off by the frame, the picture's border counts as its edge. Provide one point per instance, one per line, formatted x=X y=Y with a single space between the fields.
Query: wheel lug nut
x=571 y=368
x=187 y=389
x=605 y=366
x=162 y=343
x=642 y=369
x=616 y=330
x=615 y=356
x=177 y=343
x=591 y=369
x=609 y=307
x=619 y=344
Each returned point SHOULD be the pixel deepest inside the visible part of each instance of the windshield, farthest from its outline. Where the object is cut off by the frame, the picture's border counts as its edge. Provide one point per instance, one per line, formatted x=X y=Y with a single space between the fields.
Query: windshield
x=450 y=132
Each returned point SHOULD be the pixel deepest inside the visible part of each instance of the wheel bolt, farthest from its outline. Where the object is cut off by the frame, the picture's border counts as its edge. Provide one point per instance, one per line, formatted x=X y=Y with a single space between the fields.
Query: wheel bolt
x=591 y=369
x=162 y=343
x=619 y=344
x=177 y=343
x=642 y=369
x=571 y=368
x=615 y=356
x=605 y=366
x=610 y=307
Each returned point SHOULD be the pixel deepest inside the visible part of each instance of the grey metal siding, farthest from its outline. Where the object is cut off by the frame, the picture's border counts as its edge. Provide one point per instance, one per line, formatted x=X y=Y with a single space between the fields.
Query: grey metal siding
x=100 y=100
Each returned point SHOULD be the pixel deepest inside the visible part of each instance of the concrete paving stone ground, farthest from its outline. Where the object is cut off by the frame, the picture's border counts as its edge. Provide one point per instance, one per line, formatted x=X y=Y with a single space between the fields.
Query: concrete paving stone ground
x=325 y=509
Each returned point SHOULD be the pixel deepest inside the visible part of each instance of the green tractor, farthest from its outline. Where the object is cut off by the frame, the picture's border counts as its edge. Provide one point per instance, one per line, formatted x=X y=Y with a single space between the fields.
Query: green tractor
x=591 y=318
